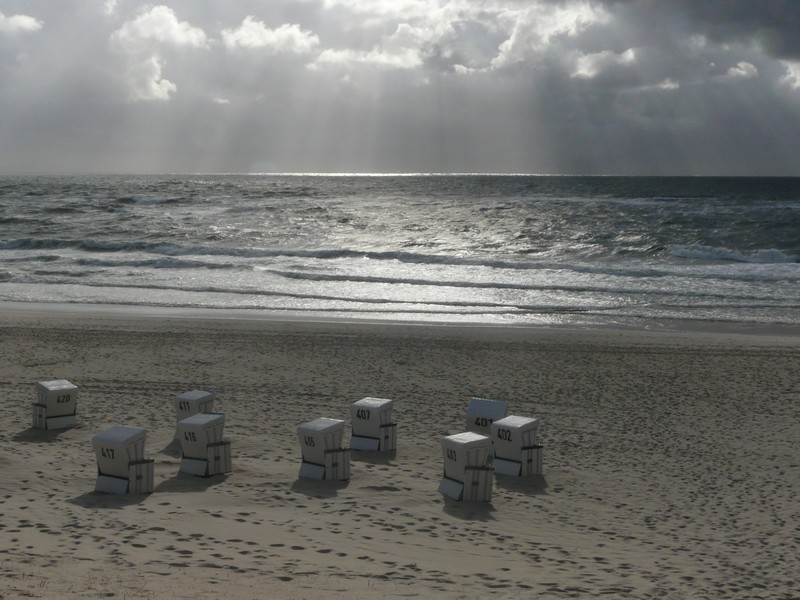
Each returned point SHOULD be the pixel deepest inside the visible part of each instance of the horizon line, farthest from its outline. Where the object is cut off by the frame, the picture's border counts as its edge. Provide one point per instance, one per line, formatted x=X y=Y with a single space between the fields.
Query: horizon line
x=367 y=174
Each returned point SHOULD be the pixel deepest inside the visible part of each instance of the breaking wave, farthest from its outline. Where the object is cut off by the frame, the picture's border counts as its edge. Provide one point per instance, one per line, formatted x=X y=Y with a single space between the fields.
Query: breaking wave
x=764 y=256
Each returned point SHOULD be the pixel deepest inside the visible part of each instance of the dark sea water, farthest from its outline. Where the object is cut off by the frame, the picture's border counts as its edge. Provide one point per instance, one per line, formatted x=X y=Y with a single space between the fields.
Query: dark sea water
x=452 y=248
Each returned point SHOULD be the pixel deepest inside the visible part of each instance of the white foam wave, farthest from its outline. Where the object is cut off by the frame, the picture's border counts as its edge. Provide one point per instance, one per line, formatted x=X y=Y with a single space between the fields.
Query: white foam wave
x=763 y=256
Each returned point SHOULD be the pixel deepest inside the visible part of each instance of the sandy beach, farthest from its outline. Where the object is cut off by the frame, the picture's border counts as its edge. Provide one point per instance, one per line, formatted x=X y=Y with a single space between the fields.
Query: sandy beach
x=671 y=465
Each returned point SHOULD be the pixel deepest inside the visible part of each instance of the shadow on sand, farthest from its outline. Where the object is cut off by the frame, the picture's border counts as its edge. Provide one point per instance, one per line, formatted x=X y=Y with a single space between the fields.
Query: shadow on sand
x=110 y=501
x=469 y=511
x=532 y=485
x=318 y=489
x=182 y=483
x=373 y=458
x=172 y=449
x=34 y=435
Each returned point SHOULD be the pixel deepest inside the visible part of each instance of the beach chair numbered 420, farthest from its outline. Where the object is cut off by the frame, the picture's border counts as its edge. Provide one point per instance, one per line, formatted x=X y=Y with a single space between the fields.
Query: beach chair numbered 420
x=55 y=404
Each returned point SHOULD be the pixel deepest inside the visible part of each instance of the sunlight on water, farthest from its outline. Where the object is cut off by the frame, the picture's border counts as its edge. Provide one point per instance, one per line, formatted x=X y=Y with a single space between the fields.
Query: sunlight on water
x=478 y=248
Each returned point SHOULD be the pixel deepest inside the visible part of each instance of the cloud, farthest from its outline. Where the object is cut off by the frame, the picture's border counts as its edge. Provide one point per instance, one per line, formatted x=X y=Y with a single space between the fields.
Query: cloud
x=537 y=27
x=377 y=9
x=592 y=86
x=742 y=70
x=791 y=78
x=109 y=7
x=141 y=40
x=146 y=82
x=772 y=24
x=255 y=34
x=158 y=25
x=591 y=65
x=19 y=24
x=377 y=58
x=460 y=36
x=401 y=50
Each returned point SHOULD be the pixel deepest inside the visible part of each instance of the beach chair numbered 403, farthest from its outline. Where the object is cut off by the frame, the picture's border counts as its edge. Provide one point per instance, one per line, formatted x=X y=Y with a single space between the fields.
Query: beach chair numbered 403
x=467 y=475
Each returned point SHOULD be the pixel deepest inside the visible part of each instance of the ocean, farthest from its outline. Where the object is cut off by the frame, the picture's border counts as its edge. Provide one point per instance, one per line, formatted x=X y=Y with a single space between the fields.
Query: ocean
x=490 y=249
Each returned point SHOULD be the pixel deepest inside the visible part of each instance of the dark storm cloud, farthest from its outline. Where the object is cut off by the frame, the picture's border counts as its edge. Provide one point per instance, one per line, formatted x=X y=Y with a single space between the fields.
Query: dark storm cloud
x=401 y=85
x=772 y=24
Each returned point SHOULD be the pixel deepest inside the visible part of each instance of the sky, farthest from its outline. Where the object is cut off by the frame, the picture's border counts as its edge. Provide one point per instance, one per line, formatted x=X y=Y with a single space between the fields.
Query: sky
x=633 y=87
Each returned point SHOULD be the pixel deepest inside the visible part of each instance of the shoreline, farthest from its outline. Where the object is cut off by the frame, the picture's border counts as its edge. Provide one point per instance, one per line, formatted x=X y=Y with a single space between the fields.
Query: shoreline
x=670 y=465
x=12 y=312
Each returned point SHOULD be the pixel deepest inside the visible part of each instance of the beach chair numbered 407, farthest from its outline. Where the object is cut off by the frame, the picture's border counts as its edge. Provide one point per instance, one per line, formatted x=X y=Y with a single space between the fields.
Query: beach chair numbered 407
x=482 y=412
x=372 y=427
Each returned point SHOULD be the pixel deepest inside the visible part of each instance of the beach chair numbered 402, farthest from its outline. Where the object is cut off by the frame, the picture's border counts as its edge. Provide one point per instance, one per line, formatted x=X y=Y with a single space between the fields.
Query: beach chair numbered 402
x=516 y=448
